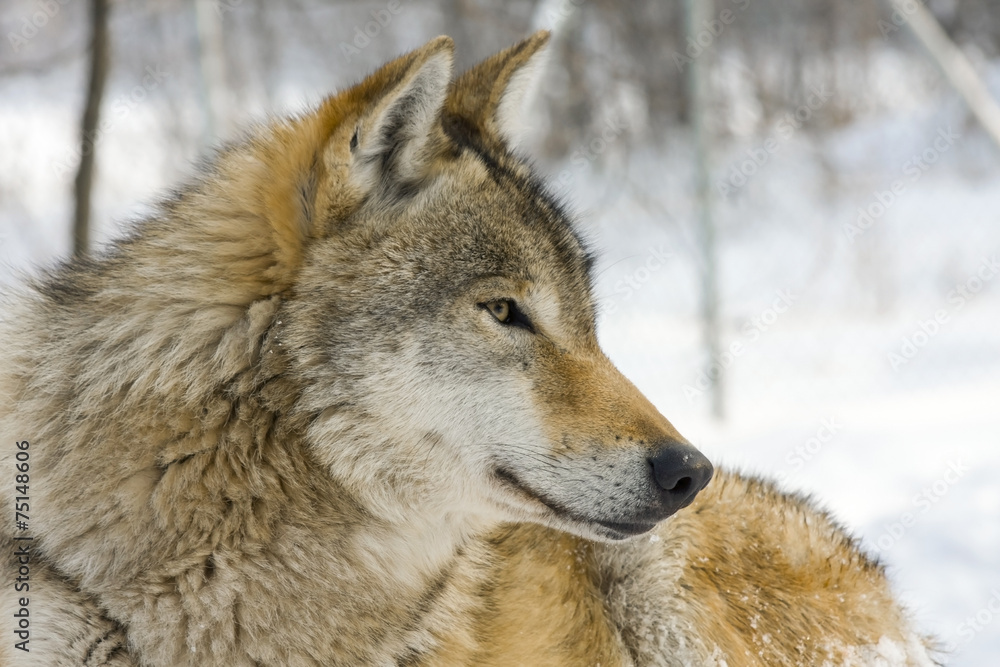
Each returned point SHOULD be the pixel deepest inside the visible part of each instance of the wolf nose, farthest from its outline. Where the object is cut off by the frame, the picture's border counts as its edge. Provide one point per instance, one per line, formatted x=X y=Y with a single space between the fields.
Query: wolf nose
x=680 y=471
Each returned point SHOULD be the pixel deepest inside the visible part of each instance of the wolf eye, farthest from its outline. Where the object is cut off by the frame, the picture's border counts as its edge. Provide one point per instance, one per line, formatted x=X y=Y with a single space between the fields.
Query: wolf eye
x=500 y=310
x=507 y=312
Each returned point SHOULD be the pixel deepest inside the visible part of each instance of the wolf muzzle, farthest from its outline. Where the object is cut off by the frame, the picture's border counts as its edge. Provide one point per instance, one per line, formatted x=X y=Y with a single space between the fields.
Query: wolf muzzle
x=679 y=472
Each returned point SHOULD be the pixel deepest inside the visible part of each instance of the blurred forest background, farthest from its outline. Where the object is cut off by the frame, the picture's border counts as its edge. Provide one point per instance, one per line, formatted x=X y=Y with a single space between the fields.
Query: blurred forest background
x=854 y=198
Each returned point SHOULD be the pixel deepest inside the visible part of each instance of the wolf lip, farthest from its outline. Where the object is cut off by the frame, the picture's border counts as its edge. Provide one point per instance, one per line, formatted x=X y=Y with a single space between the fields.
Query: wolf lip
x=627 y=529
x=620 y=529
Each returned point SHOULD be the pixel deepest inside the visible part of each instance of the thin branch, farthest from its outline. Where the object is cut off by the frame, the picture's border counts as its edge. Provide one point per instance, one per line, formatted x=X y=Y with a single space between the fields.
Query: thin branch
x=956 y=67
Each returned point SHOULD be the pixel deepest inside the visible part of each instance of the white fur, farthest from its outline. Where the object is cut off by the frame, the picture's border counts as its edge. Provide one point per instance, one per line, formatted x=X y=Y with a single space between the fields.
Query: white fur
x=511 y=114
x=421 y=94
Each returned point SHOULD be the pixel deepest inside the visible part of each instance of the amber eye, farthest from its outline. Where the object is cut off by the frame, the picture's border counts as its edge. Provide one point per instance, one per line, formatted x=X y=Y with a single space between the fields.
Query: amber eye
x=500 y=310
x=507 y=312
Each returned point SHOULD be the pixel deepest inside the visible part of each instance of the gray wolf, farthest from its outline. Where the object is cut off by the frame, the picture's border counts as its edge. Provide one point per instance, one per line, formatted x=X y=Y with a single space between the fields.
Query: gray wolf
x=339 y=401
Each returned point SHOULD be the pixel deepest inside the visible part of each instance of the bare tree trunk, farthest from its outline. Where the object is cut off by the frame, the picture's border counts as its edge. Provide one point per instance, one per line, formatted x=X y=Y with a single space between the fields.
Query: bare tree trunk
x=698 y=13
x=212 y=71
x=91 y=115
x=552 y=15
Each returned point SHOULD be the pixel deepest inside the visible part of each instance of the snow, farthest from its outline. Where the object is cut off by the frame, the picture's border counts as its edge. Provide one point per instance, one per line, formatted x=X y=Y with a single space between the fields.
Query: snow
x=909 y=457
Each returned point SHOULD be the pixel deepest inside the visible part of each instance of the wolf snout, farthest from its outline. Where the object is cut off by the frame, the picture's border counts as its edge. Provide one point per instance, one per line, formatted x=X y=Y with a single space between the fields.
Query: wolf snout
x=680 y=472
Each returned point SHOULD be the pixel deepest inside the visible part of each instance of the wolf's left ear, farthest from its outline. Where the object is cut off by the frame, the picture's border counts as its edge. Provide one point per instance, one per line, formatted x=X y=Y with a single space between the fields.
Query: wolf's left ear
x=492 y=95
x=396 y=131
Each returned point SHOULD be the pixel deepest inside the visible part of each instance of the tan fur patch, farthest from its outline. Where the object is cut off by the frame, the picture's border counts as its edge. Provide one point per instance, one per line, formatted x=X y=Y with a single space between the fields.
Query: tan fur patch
x=585 y=398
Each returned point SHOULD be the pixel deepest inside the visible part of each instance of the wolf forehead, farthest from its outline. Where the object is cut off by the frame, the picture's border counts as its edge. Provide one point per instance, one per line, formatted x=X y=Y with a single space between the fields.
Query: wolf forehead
x=482 y=212
x=490 y=214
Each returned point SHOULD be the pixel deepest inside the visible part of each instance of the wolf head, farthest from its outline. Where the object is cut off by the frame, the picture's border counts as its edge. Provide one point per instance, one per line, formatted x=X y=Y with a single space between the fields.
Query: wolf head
x=438 y=308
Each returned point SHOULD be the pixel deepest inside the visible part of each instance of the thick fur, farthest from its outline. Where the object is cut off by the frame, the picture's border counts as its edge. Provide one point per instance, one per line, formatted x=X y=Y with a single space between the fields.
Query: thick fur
x=279 y=424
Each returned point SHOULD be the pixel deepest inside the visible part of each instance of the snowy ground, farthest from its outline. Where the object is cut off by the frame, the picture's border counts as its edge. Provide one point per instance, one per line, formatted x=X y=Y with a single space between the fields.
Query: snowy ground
x=813 y=395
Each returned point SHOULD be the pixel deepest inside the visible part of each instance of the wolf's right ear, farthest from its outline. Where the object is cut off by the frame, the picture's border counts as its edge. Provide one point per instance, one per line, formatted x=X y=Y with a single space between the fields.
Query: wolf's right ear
x=491 y=97
x=399 y=107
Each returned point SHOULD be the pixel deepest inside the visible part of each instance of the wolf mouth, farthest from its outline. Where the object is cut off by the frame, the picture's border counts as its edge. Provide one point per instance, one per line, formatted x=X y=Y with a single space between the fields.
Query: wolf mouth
x=616 y=530
x=626 y=530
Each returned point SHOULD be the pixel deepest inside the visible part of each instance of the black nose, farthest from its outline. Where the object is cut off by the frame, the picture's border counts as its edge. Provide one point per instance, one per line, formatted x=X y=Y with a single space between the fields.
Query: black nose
x=680 y=472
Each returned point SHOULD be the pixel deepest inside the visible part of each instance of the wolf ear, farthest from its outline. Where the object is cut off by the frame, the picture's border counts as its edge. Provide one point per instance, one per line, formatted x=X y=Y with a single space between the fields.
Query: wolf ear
x=492 y=95
x=400 y=106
